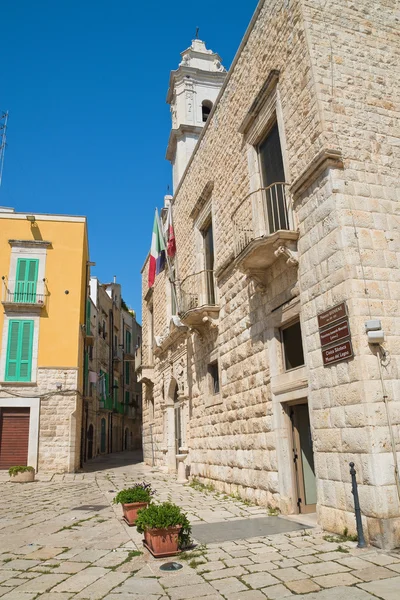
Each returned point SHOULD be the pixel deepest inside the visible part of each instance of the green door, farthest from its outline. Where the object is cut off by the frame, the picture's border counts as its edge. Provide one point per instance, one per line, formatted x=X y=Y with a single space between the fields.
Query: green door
x=26 y=280
x=19 y=350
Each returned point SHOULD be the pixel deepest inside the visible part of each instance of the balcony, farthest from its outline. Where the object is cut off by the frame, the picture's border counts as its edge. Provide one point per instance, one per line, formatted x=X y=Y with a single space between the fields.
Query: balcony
x=138 y=358
x=144 y=372
x=198 y=304
x=264 y=231
x=23 y=295
x=118 y=354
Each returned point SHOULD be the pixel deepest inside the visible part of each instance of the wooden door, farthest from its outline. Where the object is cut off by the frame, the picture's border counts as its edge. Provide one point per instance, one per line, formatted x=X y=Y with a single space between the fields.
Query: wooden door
x=14 y=437
x=303 y=458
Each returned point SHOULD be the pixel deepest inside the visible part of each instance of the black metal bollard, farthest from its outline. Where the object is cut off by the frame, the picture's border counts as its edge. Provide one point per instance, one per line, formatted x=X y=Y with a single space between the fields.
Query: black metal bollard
x=354 y=491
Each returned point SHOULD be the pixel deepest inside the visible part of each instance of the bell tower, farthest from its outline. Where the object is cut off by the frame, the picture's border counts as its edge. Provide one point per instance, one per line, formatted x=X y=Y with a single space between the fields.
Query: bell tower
x=193 y=89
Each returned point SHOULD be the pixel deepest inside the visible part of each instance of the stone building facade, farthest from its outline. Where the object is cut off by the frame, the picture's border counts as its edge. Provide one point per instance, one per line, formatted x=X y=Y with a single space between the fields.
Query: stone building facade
x=288 y=208
x=113 y=397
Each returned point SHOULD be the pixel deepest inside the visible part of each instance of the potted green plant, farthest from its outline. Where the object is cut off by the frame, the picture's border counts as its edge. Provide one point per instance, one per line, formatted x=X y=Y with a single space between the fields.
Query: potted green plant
x=133 y=499
x=166 y=528
x=21 y=474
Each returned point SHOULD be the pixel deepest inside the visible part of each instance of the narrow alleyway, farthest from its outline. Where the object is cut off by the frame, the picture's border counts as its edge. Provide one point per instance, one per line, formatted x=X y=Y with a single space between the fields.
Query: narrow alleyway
x=61 y=538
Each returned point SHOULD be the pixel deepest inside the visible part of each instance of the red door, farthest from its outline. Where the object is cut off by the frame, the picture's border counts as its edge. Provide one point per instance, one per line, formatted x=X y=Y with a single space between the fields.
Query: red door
x=14 y=437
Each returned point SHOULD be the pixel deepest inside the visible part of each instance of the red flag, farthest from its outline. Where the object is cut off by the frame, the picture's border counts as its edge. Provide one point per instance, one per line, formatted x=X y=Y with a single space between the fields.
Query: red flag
x=171 y=245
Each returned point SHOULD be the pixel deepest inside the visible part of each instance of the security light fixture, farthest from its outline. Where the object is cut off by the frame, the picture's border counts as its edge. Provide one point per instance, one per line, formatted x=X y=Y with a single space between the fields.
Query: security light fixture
x=31 y=218
x=373 y=329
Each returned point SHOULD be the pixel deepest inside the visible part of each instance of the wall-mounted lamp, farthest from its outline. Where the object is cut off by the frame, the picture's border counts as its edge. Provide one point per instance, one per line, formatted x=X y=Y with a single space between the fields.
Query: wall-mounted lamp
x=31 y=218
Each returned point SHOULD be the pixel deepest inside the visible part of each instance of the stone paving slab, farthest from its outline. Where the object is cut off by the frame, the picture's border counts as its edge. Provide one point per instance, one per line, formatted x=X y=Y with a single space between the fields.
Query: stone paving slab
x=387 y=589
x=91 y=554
x=242 y=528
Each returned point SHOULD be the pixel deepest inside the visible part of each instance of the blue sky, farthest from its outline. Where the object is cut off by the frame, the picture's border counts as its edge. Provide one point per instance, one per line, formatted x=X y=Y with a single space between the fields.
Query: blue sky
x=85 y=83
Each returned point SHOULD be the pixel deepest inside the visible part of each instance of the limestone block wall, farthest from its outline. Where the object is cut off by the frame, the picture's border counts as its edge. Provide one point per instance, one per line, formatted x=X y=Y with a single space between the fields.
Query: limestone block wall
x=60 y=421
x=338 y=92
x=349 y=249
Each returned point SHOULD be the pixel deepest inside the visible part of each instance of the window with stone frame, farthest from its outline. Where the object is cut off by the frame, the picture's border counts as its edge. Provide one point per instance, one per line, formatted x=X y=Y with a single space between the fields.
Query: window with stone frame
x=213 y=377
x=292 y=346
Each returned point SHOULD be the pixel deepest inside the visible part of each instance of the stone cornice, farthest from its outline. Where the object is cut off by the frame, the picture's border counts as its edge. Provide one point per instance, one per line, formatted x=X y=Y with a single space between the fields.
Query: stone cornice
x=325 y=158
x=202 y=200
x=30 y=243
x=175 y=134
x=259 y=100
x=212 y=77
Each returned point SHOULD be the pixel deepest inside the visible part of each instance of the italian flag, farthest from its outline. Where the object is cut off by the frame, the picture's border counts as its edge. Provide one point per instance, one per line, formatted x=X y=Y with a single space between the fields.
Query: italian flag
x=157 y=252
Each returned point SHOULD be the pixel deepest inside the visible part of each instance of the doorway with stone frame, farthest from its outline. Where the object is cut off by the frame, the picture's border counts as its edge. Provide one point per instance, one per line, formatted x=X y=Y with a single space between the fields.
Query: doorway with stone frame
x=304 y=480
x=173 y=424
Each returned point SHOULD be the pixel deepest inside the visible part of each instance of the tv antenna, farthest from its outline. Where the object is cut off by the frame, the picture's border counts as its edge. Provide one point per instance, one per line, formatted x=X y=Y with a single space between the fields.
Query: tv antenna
x=3 y=131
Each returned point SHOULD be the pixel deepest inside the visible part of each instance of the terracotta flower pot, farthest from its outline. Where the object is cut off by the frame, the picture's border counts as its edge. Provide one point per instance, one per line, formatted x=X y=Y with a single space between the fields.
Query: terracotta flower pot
x=131 y=510
x=23 y=477
x=162 y=542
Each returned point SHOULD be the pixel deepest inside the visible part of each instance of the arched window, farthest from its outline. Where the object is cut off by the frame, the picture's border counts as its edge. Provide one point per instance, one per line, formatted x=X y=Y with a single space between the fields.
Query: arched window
x=206 y=109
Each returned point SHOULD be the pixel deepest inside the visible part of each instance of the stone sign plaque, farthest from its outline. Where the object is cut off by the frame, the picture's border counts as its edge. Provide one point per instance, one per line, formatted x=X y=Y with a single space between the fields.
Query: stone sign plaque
x=337 y=353
x=333 y=334
x=333 y=314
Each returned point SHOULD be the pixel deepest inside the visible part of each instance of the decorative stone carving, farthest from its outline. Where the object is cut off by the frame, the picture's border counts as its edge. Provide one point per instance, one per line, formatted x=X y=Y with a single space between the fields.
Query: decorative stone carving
x=292 y=256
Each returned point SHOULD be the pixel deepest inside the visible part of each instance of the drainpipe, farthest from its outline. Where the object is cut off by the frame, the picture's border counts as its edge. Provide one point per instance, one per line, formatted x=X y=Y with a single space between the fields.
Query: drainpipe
x=123 y=382
x=83 y=430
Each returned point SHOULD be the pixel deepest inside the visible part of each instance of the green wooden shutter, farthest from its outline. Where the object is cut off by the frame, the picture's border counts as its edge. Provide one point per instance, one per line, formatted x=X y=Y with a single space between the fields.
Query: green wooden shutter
x=128 y=342
x=26 y=280
x=19 y=351
x=12 y=351
x=127 y=397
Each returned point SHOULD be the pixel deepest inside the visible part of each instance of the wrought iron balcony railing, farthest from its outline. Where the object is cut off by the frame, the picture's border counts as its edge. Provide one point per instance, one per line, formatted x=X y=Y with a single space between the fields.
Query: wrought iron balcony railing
x=197 y=291
x=24 y=292
x=262 y=213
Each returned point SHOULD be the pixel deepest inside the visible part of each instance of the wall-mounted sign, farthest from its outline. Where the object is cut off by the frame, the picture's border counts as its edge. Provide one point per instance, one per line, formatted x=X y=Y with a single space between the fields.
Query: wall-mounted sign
x=333 y=314
x=334 y=333
x=333 y=327
x=337 y=353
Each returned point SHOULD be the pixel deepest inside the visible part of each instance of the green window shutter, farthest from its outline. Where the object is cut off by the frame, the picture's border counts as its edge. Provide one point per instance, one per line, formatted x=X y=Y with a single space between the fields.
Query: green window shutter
x=19 y=351
x=127 y=397
x=107 y=384
x=26 y=280
x=127 y=373
x=12 y=351
x=128 y=342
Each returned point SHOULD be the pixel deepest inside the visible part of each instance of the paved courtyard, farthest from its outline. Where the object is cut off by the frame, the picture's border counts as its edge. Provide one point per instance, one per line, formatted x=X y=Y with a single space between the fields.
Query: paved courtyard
x=62 y=538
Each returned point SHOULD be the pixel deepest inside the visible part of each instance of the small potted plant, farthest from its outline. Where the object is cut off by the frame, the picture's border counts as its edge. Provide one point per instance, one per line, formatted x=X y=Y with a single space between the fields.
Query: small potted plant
x=166 y=528
x=133 y=499
x=21 y=474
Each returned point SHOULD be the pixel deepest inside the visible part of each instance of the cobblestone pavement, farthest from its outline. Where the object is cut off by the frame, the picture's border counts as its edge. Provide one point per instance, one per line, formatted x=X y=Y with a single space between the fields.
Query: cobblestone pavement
x=61 y=538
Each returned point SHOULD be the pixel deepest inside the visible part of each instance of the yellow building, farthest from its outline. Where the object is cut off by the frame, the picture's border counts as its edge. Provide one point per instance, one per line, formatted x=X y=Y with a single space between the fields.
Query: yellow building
x=44 y=269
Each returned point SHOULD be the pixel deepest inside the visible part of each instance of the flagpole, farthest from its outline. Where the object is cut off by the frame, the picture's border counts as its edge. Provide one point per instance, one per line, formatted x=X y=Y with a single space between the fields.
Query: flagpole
x=171 y=278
